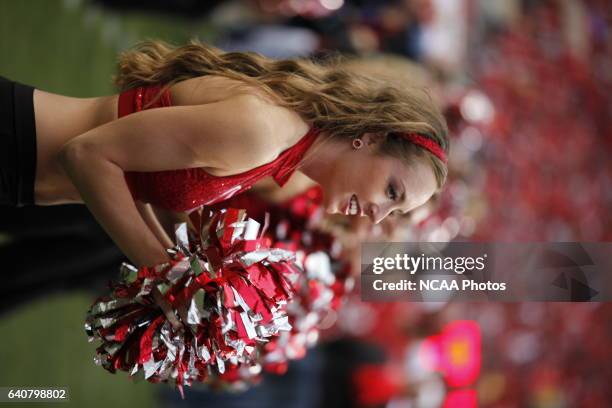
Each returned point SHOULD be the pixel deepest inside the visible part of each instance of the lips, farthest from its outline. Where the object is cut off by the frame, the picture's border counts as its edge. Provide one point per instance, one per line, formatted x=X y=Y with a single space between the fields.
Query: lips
x=346 y=209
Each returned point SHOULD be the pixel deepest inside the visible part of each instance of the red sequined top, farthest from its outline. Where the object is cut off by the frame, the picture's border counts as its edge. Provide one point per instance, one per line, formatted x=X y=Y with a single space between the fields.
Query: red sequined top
x=188 y=189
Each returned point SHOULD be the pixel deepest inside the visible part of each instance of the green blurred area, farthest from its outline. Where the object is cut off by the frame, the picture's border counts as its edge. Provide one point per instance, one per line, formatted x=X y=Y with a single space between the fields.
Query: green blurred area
x=70 y=47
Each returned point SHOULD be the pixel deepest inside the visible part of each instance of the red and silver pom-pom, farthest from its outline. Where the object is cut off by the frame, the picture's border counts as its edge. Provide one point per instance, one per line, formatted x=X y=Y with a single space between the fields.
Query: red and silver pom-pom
x=203 y=316
x=319 y=293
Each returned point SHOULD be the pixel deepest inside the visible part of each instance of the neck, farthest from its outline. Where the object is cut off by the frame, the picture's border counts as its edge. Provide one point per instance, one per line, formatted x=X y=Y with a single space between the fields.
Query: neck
x=319 y=157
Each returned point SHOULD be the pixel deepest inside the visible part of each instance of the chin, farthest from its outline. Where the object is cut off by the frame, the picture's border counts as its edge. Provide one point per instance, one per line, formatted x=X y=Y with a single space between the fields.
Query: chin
x=330 y=206
x=329 y=211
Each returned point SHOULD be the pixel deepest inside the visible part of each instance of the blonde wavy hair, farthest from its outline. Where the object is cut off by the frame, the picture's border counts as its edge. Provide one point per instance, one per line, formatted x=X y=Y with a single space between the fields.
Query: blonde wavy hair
x=330 y=94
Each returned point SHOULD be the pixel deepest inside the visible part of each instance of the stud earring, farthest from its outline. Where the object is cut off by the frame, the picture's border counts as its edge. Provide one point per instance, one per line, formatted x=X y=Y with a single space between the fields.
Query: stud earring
x=357 y=143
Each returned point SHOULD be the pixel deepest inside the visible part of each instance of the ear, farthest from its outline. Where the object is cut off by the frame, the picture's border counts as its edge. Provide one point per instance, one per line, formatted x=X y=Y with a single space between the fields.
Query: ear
x=372 y=138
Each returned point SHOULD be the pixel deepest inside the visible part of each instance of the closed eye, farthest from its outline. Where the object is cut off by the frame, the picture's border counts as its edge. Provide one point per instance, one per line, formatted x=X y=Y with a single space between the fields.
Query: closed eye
x=391 y=192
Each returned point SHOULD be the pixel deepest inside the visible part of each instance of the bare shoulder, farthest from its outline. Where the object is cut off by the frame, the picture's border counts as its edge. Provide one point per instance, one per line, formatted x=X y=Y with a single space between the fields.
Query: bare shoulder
x=284 y=127
x=270 y=128
x=266 y=130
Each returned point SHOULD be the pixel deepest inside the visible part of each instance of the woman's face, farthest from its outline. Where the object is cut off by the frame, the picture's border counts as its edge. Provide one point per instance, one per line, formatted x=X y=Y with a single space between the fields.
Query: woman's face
x=362 y=183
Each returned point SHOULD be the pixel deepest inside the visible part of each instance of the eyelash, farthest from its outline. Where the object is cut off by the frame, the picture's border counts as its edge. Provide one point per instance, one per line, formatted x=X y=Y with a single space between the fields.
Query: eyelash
x=392 y=190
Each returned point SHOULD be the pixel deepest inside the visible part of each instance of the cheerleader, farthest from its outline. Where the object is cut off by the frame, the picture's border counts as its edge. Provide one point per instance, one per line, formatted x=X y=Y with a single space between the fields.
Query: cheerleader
x=193 y=126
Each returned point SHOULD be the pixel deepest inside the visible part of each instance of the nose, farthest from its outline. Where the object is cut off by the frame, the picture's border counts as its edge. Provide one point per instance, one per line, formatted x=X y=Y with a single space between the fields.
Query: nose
x=376 y=213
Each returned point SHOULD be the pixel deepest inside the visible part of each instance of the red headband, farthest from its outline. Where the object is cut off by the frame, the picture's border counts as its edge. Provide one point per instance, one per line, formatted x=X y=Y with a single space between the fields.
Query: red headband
x=426 y=143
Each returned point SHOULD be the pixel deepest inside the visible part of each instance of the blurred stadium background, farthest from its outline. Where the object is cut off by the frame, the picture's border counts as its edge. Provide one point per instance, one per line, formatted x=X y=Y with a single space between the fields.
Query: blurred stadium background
x=526 y=87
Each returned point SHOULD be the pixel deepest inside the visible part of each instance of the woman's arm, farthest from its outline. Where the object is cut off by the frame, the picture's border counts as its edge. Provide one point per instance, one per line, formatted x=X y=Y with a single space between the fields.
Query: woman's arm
x=159 y=228
x=111 y=203
x=162 y=222
x=169 y=219
x=231 y=134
